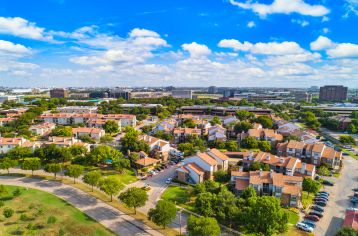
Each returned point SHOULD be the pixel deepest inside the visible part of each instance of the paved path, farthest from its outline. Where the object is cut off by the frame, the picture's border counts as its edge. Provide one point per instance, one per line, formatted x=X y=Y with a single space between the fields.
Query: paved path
x=110 y=217
x=339 y=199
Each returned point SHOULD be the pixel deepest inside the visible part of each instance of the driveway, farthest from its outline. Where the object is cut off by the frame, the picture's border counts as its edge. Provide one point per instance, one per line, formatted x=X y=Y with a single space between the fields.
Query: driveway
x=115 y=220
x=339 y=199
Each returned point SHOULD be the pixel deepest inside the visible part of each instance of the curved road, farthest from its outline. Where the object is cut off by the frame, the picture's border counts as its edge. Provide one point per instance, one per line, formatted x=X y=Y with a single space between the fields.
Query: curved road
x=112 y=218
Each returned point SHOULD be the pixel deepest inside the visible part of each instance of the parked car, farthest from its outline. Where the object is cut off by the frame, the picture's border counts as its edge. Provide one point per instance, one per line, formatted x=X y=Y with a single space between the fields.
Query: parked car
x=317 y=208
x=328 y=183
x=320 y=199
x=323 y=192
x=317 y=177
x=320 y=203
x=354 y=200
x=316 y=213
x=312 y=218
x=168 y=181
x=355 y=189
x=309 y=223
x=304 y=227
x=322 y=196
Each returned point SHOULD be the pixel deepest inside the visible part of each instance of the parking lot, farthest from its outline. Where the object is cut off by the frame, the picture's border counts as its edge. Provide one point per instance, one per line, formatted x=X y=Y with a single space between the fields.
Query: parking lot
x=339 y=199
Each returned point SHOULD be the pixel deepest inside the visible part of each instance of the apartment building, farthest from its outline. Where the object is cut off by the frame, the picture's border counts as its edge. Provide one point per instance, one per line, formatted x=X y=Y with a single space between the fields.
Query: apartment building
x=316 y=153
x=42 y=128
x=181 y=134
x=78 y=109
x=202 y=166
x=291 y=166
x=217 y=133
x=284 y=187
x=158 y=147
x=6 y=144
x=262 y=134
x=65 y=142
x=6 y=120
x=59 y=93
x=333 y=93
x=94 y=133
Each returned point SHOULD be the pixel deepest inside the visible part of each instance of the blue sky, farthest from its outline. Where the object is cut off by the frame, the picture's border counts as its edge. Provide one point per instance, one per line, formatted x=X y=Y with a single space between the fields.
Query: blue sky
x=285 y=43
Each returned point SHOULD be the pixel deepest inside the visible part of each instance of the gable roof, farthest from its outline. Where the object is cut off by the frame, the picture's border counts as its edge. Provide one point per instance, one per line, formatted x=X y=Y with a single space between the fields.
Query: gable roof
x=208 y=159
x=218 y=154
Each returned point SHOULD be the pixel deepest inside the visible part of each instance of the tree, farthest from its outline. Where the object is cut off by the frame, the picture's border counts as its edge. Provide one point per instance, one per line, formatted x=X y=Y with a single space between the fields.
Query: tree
x=111 y=127
x=347 y=139
x=232 y=146
x=188 y=123
x=163 y=214
x=203 y=226
x=265 y=215
x=310 y=185
x=8 y=212
x=74 y=171
x=92 y=178
x=204 y=204
x=226 y=207
x=131 y=143
x=264 y=146
x=244 y=115
x=187 y=148
x=53 y=168
x=352 y=129
x=62 y=131
x=265 y=121
x=310 y=119
x=87 y=139
x=8 y=163
x=78 y=150
x=243 y=126
x=248 y=193
x=102 y=153
x=249 y=142
x=323 y=170
x=221 y=176
x=19 y=153
x=3 y=190
x=347 y=231
x=31 y=164
x=106 y=139
x=134 y=197
x=110 y=185
x=215 y=121
x=53 y=154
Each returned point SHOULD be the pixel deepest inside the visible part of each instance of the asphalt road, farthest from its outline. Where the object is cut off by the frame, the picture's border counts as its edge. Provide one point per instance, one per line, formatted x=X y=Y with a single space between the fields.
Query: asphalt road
x=115 y=220
x=339 y=199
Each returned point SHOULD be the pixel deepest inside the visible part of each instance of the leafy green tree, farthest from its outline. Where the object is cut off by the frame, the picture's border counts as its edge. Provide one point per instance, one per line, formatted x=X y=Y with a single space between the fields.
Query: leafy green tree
x=131 y=142
x=347 y=231
x=347 y=139
x=205 y=203
x=231 y=146
x=226 y=207
x=3 y=190
x=74 y=171
x=265 y=216
x=187 y=148
x=215 y=121
x=7 y=163
x=110 y=185
x=352 y=129
x=53 y=168
x=134 y=197
x=310 y=119
x=8 y=212
x=188 y=123
x=243 y=126
x=249 y=142
x=87 y=139
x=102 y=153
x=311 y=186
x=78 y=150
x=19 y=153
x=92 y=178
x=264 y=146
x=244 y=115
x=265 y=121
x=53 y=154
x=221 y=176
x=248 y=193
x=203 y=226
x=111 y=127
x=163 y=214
x=106 y=139
x=62 y=131
x=31 y=164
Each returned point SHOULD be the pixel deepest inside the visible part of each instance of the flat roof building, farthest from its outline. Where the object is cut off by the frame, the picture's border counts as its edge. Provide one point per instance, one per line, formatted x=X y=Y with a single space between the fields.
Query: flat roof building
x=334 y=93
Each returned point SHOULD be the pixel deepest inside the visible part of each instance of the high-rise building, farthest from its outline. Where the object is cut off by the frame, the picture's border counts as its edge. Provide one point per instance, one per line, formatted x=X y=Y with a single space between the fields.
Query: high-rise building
x=59 y=93
x=333 y=93
x=212 y=89
x=182 y=94
x=119 y=93
x=302 y=96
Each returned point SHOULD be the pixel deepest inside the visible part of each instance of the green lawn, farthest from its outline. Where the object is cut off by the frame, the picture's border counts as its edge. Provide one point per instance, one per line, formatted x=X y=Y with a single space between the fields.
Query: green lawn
x=35 y=207
x=180 y=196
x=126 y=178
x=293 y=217
x=307 y=199
x=352 y=154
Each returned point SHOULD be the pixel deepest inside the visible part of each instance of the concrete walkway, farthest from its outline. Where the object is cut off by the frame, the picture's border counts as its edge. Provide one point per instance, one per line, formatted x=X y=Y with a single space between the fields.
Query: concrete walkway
x=110 y=217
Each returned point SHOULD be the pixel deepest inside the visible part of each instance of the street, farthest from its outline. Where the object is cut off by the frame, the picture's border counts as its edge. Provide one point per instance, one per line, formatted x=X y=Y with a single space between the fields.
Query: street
x=339 y=199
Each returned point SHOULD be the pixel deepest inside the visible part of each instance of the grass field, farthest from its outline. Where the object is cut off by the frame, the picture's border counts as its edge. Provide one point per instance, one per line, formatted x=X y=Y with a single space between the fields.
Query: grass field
x=180 y=196
x=307 y=199
x=32 y=210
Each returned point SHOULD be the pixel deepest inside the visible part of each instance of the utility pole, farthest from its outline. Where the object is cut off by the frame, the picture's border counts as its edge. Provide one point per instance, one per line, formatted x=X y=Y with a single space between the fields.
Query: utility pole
x=180 y=222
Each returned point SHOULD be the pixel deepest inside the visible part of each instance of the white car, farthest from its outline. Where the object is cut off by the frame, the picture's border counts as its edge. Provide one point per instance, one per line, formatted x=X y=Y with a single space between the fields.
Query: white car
x=304 y=227
x=168 y=181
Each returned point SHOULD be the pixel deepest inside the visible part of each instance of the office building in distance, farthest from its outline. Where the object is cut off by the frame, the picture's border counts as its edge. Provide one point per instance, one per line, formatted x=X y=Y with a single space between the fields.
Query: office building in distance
x=59 y=93
x=333 y=93
x=182 y=94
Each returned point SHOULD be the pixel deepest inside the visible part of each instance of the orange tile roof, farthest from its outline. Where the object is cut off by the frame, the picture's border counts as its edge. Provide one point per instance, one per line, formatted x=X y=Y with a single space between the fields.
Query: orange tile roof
x=86 y=130
x=219 y=154
x=240 y=174
x=291 y=189
x=241 y=184
x=254 y=133
x=208 y=159
x=147 y=161
x=10 y=141
x=255 y=177
x=196 y=168
x=318 y=147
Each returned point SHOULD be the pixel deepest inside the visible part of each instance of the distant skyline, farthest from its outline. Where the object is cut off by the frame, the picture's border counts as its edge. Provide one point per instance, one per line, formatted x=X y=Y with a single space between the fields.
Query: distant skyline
x=233 y=43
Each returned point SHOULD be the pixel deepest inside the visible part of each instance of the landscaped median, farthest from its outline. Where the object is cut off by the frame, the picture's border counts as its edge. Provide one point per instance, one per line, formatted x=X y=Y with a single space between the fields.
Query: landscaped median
x=103 y=197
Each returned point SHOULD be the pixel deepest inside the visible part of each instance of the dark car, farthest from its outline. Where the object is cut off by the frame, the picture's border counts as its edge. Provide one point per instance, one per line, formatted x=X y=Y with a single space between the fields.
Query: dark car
x=317 y=208
x=322 y=196
x=355 y=189
x=328 y=183
x=309 y=223
x=323 y=192
x=316 y=213
x=312 y=217
x=320 y=199
x=320 y=203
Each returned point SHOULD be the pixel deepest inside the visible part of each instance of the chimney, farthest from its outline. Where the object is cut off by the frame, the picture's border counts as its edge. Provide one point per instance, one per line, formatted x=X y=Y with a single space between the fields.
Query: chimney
x=260 y=173
x=303 y=168
x=268 y=157
x=281 y=160
x=241 y=168
x=271 y=174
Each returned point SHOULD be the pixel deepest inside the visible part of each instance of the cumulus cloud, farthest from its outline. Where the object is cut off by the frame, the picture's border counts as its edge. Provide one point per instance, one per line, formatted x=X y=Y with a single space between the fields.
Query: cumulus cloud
x=196 y=50
x=321 y=43
x=335 y=50
x=283 y=7
x=20 y=27
x=251 y=24
x=351 y=7
x=13 y=49
x=303 y=23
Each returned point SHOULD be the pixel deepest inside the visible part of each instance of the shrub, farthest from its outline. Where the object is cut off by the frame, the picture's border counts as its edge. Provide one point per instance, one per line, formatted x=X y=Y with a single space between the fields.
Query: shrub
x=16 y=192
x=24 y=217
x=8 y=212
x=1 y=204
x=51 y=220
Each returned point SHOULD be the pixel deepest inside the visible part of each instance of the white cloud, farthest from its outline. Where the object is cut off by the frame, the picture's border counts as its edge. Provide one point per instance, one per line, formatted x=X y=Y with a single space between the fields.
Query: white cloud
x=283 y=7
x=143 y=33
x=11 y=49
x=20 y=27
x=321 y=43
x=196 y=50
x=351 y=7
x=325 y=30
x=251 y=24
x=303 y=23
x=325 y=19
x=270 y=48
